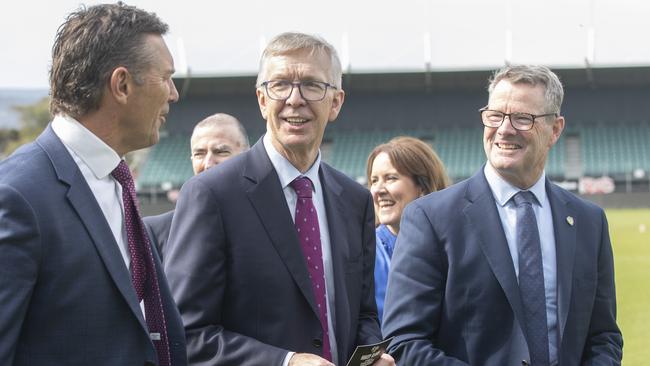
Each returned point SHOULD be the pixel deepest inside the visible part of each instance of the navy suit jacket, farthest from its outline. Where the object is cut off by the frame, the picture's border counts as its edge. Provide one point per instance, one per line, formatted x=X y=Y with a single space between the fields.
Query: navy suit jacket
x=453 y=296
x=66 y=296
x=158 y=227
x=236 y=269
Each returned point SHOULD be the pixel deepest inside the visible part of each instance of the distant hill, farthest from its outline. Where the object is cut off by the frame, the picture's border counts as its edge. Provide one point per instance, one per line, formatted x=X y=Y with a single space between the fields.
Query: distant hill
x=9 y=98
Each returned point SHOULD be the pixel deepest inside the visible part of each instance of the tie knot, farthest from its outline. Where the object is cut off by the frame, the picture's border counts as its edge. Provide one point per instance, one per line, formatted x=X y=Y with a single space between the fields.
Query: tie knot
x=122 y=173
x=302 y=186
x=524 y=197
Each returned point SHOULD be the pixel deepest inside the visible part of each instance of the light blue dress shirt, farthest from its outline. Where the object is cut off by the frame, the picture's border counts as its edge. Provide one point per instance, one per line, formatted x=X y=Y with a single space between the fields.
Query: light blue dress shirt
x=503 y=193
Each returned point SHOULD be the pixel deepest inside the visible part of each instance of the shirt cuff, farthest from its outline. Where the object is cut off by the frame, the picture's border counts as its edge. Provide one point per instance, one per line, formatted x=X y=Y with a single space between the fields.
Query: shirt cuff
x=287 y=358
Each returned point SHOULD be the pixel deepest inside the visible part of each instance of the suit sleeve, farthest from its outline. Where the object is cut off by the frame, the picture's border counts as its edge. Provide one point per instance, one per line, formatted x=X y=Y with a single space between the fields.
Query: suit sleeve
x=604 y=345
x=368 y=329
x=196 y=268
x=153 y=238
x=20 y=252
x=415 y=292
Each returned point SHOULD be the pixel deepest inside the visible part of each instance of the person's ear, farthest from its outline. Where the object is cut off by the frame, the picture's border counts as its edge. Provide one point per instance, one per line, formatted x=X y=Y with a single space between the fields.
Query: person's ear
x=558 y=127
x=262 y=101
x=120 y=84
x=337 y=103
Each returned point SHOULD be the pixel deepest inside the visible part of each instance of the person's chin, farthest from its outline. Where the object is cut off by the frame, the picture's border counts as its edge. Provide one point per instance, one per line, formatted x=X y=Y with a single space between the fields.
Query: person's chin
x=386 y=218
x=505 y=161
x=154 y=138
x=297 y=142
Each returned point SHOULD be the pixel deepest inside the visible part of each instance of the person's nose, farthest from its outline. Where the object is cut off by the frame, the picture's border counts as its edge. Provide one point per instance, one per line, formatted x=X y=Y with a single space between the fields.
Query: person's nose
x=295 y=98
x=210 y=161
x=173 y=92
x=506 y=127
x=377 y=188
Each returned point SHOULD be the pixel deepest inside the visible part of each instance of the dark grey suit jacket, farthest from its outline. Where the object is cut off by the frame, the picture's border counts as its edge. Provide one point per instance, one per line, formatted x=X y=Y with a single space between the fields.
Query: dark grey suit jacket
x=453 y=297
x=65 y=294
x=237 y=272
x=158 y=227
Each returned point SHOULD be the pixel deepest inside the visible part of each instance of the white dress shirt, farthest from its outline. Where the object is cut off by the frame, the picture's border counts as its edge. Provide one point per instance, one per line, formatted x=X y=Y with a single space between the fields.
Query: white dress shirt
x=503 y=192
x=96 y=161
x=287 y=173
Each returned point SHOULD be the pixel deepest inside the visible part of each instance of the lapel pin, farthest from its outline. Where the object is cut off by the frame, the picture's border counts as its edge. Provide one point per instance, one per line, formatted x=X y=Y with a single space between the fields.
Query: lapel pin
x=569 y=220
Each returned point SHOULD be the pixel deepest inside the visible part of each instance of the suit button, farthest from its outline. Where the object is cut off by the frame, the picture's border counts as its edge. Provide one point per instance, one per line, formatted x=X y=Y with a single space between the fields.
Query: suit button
x=317 y=343
x=525 y=363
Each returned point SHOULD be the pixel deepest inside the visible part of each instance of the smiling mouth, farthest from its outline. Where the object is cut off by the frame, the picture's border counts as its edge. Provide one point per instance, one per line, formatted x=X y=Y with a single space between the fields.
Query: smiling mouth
x=506 y=146
x=296 y=121
x=386 y=203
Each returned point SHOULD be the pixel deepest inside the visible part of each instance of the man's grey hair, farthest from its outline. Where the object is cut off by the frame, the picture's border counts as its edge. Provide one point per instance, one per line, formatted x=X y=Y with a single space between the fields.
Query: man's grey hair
x=292 y=42
x=221 y=120
x=533 y=75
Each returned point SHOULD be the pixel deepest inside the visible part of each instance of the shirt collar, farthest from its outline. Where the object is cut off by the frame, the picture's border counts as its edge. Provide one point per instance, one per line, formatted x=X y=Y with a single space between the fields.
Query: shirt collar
x=503 y=191
x=100 y=158
x=286 y=171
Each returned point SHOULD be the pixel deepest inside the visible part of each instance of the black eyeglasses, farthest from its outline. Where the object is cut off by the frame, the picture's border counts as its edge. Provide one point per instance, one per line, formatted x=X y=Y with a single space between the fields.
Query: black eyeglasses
x=520 y=121
x=311 y=91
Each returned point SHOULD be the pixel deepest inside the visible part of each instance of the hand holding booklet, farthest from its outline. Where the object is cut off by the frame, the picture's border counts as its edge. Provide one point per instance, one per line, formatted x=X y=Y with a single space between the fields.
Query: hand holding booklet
x=367 y=354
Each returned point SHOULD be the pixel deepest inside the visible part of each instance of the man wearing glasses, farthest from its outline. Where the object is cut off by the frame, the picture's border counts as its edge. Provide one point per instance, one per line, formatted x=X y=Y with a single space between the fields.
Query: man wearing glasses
x=506 y=268
x=271 y=253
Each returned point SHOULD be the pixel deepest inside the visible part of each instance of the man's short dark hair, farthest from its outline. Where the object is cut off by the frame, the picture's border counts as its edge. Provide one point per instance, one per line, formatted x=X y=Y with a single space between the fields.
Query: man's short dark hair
x=89 y=45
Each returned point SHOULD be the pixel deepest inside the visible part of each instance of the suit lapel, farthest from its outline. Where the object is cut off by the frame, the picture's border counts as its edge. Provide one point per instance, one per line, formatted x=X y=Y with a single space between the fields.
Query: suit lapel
x=90 y=214
x=267 y=197
x=565 y=246
x=483 y=219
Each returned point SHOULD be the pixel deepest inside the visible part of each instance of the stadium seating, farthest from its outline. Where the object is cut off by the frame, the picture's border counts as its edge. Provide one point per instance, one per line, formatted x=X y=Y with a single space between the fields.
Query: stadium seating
x=604 y=149
x=615 y=148
x=350 y=149
x=168 y=163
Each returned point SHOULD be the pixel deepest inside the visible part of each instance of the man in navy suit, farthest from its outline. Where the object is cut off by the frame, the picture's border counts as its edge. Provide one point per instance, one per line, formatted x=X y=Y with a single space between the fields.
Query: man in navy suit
x=460 y=288
x=214 y=140
x=240 y=271
x=66 y=292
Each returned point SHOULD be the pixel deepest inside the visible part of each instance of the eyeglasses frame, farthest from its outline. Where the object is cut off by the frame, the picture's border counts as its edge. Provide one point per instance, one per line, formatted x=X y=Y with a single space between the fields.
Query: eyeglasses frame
x=299 y=84
x=532 y=116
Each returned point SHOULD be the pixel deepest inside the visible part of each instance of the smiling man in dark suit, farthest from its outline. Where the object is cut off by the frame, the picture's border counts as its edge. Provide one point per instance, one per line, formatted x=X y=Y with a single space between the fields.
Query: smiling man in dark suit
x=80 y=283
x=506 y=268
x=271 y=254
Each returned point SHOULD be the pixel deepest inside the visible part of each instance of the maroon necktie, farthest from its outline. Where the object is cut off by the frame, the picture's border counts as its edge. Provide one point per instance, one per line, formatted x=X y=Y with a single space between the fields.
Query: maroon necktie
x=306 y=222
x=143 y=272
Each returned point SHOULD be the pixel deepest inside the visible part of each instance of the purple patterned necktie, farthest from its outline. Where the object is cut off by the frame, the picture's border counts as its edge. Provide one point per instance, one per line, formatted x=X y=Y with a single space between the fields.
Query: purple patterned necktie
x=306 y=222
x=531 y=279
x=143 y=272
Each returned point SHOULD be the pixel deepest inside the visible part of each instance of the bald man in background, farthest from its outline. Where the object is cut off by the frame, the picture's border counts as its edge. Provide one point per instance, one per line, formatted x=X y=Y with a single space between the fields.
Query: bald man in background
x=214 y=140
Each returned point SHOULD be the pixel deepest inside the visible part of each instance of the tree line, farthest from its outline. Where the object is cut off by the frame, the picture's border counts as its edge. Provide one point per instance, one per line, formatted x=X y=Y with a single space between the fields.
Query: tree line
x=33 y=120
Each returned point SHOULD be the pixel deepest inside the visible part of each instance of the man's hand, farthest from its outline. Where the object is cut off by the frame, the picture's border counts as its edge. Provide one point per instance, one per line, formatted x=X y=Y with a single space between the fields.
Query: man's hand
x=308 y=359
x=385 y=360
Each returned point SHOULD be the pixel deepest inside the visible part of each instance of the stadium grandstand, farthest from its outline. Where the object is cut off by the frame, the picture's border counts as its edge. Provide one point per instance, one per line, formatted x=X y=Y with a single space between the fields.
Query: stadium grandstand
x=605 y=147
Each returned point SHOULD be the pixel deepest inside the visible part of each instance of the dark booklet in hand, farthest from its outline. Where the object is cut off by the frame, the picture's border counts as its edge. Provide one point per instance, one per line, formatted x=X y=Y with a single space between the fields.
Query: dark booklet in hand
x=367 y=354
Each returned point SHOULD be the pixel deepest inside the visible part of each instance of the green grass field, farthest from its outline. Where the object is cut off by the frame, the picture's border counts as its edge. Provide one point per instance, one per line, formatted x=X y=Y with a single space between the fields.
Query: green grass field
x=630 y=234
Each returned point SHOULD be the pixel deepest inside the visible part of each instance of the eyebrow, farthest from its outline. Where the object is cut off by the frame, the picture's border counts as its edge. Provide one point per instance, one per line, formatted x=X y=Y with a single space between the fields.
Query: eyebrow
x=222 y=148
